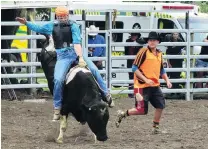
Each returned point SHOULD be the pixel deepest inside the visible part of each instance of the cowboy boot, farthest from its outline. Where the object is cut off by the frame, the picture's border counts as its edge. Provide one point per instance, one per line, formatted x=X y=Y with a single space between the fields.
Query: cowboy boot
x=121 y=115
x=56 y=115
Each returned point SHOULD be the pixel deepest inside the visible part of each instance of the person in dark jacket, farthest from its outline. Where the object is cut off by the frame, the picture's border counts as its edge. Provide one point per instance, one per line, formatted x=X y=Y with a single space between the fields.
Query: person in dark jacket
x=131 y=50
x=175 y=63
x=202 y=63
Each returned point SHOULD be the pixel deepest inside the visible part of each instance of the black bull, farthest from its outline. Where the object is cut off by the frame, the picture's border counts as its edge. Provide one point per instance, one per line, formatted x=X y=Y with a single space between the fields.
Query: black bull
x=81 y=97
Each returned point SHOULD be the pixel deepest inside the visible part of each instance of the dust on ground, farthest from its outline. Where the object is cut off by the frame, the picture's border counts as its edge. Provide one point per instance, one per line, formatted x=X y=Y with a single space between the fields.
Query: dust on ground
x=27 y=125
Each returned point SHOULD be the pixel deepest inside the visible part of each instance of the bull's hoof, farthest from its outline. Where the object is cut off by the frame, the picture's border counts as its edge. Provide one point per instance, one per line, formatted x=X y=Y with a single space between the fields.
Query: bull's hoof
x=55 y=120
x=59 y=141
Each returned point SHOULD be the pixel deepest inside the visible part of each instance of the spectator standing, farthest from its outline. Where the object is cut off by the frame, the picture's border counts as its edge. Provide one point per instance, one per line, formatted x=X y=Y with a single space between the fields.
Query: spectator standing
x=202 y=63
x=132 y=50
x=95 y=38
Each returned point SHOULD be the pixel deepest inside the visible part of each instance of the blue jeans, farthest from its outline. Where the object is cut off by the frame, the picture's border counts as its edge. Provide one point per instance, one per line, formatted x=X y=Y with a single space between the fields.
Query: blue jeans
x=64 y=62
x=93 y=68
x=201 y=63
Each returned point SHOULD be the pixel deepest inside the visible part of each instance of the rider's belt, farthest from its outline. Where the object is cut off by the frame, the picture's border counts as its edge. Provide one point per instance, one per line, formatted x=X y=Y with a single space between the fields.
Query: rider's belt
x=65 y=49
x=67 y=46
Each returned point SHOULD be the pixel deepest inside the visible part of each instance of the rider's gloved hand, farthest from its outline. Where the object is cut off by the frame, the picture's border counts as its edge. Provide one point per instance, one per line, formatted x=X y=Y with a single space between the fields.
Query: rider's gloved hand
x=21 y=20
x=82 y=63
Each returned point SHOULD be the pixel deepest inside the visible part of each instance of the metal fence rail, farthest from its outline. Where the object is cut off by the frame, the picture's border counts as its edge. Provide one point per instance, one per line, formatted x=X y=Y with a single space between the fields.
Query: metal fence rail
x=108 y=58
x=189 y=81
x=21 y=51
x=9 y=37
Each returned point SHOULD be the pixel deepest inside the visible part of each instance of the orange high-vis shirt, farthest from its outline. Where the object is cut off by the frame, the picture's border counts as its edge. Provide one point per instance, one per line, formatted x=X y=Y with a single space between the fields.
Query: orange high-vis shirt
x=150 y=66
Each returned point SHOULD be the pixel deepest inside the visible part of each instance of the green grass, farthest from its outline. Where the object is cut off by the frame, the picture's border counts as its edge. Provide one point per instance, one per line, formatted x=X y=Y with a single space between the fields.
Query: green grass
x=119 y=95
x=39 y=70
x=42 y=80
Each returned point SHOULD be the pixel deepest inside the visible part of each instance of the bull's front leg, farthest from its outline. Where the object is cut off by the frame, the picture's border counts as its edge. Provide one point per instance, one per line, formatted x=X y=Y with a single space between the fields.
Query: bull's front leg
x=63 y=126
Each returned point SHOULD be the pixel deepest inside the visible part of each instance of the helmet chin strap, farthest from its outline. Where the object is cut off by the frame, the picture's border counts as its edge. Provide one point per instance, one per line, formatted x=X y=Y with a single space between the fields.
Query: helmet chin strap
x=63 y=20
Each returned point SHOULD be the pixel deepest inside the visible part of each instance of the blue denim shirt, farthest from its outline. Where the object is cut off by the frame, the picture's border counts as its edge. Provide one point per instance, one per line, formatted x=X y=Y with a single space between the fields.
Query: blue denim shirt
x=48 y=29
x=98 y=51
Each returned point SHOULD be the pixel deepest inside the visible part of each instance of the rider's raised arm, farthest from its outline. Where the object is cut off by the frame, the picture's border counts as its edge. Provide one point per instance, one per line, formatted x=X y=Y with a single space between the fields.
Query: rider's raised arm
x=76 y=36
x=45 y=29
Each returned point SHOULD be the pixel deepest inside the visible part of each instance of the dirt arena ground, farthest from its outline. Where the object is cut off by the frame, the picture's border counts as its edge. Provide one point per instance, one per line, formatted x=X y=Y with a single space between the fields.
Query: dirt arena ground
x=27 y=125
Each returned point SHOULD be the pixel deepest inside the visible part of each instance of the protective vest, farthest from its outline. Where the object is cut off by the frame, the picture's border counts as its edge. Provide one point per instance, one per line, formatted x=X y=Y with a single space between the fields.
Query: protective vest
x=62 y=35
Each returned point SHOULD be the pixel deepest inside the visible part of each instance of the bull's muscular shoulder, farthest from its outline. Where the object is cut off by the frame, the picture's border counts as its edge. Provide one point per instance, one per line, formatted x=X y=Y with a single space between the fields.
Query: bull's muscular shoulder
x=83 y=85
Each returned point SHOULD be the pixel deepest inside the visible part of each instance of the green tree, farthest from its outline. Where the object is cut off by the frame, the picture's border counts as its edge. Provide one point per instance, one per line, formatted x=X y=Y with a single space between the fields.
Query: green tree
x=203 y=6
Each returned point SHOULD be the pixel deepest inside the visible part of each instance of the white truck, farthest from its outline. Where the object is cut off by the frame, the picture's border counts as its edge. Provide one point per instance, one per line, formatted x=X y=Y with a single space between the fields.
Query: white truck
x=166 y=16
x=160 y=16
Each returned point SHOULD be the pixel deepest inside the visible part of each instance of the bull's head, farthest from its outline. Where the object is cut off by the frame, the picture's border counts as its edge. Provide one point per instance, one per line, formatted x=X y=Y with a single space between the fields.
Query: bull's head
x=97 y=119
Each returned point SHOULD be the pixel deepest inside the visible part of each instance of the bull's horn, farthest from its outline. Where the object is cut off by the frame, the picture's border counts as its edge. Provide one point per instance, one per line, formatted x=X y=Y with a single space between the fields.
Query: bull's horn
x=103 y=111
